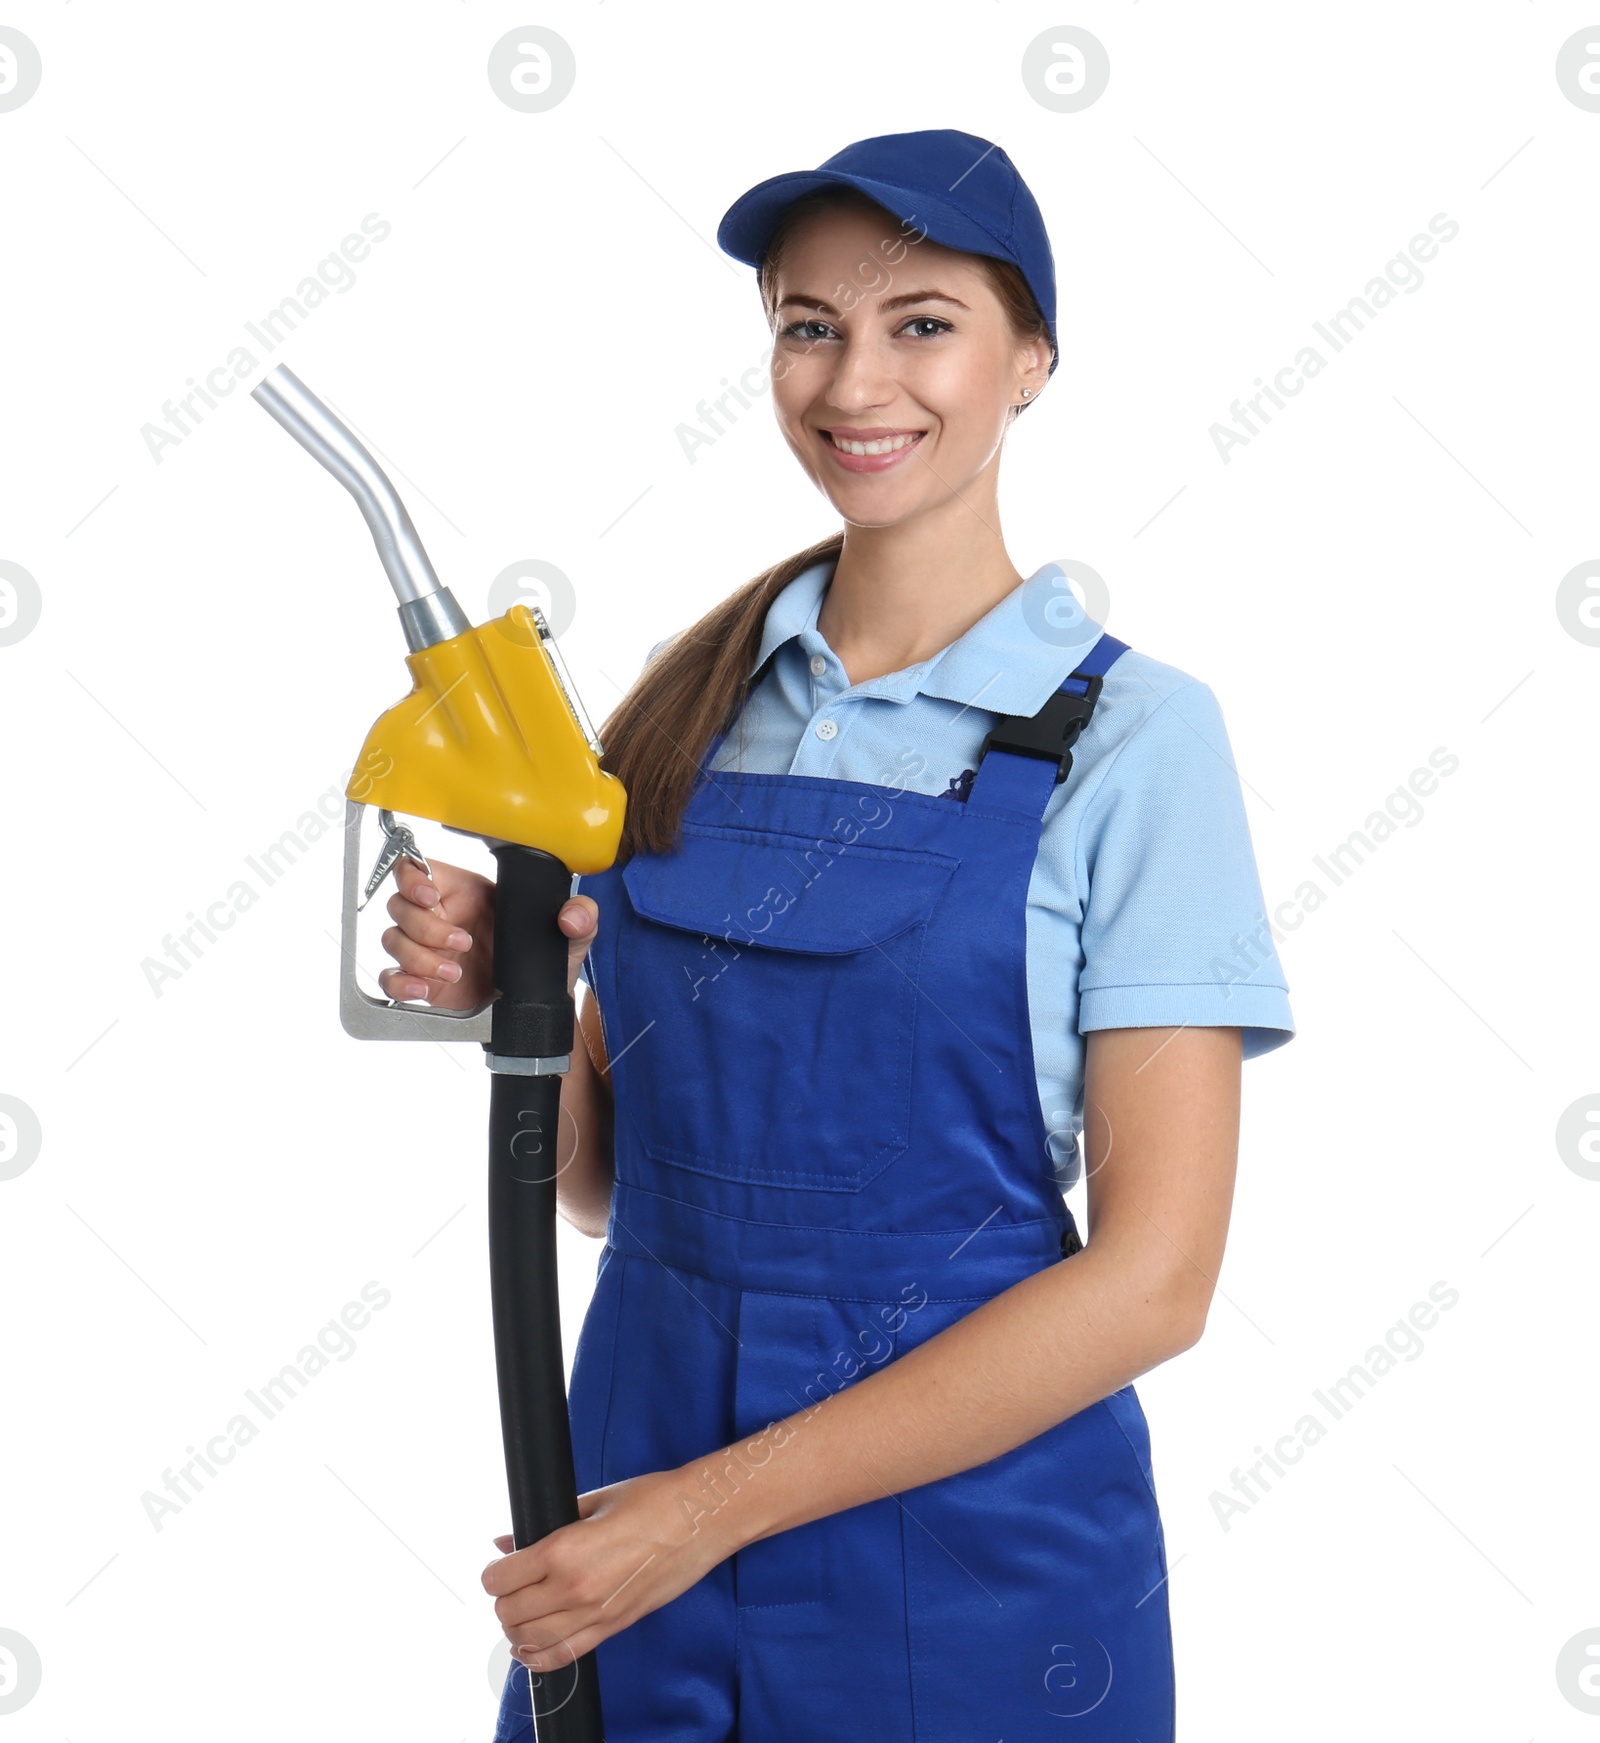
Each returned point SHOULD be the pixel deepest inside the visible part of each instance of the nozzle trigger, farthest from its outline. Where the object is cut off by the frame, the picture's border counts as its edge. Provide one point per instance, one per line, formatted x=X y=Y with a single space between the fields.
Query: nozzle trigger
x=398 y=843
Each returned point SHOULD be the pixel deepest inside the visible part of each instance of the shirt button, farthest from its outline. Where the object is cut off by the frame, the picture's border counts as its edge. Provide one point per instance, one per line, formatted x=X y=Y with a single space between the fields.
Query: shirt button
x=819 y=664
x=827 y=729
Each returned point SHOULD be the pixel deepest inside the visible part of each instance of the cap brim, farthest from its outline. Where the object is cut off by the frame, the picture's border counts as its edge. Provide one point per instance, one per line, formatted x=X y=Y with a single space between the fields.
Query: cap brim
x=748 y=224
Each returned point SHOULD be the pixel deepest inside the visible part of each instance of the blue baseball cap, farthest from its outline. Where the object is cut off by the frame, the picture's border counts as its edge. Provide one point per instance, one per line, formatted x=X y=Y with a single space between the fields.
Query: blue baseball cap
x=962 y=191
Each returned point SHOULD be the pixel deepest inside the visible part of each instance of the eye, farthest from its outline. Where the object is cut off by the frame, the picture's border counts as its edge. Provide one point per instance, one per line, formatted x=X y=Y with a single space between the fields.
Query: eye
x=928 y=321
x=793 y=330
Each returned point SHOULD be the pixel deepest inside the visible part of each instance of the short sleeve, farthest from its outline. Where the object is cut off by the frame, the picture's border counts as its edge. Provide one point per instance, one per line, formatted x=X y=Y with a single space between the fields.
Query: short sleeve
x=1175 y=930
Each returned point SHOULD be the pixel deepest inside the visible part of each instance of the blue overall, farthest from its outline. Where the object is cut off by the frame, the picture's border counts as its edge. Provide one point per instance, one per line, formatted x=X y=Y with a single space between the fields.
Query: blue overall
x=829 y=1148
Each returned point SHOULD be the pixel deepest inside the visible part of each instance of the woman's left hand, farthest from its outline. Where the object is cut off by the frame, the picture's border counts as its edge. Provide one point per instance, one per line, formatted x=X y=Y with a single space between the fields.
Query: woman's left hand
x=634 y=1547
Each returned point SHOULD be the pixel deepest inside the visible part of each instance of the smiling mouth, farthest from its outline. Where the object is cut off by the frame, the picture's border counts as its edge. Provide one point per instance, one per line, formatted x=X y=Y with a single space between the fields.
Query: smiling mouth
x=879 y=445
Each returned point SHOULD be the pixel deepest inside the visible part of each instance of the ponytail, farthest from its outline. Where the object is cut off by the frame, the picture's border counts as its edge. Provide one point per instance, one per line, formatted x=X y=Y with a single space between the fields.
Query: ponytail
x=695 y=687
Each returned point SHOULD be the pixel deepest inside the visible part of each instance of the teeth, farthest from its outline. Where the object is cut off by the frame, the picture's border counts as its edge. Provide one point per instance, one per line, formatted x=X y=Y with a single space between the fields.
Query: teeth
x=891 y=446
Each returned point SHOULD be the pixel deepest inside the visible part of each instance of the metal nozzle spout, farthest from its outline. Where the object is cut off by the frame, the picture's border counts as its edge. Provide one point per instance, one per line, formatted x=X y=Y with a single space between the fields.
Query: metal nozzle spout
x=428 y=611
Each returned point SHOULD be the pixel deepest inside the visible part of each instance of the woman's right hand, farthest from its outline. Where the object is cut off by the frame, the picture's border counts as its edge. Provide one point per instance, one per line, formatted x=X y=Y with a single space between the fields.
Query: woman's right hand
x=443 y=936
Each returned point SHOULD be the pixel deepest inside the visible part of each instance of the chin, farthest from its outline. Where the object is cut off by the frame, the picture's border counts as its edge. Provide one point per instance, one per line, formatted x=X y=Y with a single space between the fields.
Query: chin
x=861 y=514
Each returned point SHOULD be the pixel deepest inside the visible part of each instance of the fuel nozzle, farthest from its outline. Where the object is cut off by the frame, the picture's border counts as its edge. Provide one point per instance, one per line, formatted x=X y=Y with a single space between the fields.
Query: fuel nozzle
x=492 y=739
x=428 y=611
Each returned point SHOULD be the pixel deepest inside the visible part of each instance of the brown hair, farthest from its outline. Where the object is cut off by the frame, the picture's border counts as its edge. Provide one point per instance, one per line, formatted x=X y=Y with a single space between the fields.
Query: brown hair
x=697 y=685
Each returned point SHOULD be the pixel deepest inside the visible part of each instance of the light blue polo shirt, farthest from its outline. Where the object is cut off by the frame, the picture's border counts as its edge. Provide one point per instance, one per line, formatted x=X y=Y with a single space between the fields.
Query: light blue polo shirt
x=1144 y=907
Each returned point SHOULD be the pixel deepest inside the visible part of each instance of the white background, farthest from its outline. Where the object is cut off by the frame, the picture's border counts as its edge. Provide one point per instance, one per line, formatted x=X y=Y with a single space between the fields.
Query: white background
x=1375 y=575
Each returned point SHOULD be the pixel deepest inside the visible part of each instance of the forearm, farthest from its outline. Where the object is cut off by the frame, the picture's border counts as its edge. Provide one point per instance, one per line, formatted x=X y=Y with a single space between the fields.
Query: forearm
x=1032 y=1356
x=586 y=1147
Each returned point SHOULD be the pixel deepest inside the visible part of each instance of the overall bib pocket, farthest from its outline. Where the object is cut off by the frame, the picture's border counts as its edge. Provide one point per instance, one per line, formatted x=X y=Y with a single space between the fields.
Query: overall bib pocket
x=789 y=966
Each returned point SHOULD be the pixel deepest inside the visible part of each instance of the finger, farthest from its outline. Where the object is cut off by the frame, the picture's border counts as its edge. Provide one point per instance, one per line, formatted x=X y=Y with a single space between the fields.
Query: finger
x=509 y=1578
x=395 y=983
x=413 y=883
x=504 y=1543
x=452 y=884
x=417 y=960
x=544 y=1651
x=547 y=1638
x=579 y=917
x=428 y=925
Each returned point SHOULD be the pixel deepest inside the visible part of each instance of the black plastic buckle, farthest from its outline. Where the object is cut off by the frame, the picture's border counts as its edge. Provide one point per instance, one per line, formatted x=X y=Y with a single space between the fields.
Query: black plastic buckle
x=1051 y=732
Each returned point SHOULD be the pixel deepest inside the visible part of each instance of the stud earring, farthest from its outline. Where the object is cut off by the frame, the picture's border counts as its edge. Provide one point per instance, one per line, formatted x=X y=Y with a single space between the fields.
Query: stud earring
x=1027 y=393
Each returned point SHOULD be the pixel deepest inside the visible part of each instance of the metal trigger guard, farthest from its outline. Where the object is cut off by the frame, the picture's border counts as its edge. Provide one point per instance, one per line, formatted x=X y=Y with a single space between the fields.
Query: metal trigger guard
x=370 y=1019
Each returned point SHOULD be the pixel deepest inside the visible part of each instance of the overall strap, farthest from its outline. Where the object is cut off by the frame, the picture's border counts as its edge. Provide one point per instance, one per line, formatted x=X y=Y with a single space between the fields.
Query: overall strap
x=1022 y=777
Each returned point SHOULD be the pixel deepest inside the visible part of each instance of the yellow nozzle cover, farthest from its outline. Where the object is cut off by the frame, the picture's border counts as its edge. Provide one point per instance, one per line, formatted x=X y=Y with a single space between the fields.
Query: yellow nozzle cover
x=486 y=743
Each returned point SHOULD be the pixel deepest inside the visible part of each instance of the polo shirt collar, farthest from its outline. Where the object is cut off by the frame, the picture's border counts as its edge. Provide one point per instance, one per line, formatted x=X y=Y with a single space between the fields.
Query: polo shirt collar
x=1009 y=661
x=794 y=610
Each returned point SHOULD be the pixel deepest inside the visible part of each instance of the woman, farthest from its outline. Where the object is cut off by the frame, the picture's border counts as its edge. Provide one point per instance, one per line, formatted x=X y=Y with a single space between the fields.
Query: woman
x=852 y=1404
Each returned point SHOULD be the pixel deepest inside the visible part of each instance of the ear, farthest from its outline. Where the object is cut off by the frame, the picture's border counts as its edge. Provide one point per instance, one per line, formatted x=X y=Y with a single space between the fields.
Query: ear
x=1033 y=367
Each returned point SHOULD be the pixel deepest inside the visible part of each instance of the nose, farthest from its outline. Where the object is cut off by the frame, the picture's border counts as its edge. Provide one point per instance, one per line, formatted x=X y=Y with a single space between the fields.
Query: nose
x=863 y=378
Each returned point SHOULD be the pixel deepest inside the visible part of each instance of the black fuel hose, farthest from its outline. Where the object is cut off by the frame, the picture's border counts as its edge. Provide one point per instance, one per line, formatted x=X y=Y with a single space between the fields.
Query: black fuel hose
x=533 y=1020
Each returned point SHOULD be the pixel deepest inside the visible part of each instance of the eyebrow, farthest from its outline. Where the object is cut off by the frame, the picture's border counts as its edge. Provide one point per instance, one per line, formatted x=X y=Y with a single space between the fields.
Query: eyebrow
x=899 y=302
